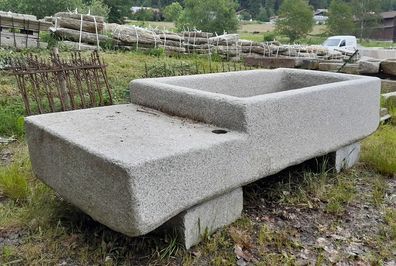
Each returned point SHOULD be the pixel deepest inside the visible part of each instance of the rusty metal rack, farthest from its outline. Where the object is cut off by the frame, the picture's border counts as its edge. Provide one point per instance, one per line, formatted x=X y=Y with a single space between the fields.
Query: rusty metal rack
x=59 y=84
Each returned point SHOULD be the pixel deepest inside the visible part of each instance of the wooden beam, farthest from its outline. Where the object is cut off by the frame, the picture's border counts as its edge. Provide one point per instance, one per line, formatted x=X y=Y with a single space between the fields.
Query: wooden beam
x=26 y=24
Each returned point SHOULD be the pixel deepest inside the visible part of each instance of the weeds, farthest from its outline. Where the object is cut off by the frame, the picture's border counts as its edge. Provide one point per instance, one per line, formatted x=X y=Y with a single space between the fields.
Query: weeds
x=390 y=219
x=379 y=150
x=174 y=245
x=379 y=190
x=54 y=232
x=340 y=194
x=14 y=179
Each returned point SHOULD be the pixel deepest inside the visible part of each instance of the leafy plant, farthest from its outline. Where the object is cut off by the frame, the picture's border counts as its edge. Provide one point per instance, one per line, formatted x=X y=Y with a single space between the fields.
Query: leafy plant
x=172 y=11
x=209 y=15
x=340 y=18
x=295 y=19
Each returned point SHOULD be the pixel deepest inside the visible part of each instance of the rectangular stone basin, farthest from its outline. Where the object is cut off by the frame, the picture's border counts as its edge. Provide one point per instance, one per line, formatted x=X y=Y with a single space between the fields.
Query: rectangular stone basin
x=228 y=99
x=134 y=167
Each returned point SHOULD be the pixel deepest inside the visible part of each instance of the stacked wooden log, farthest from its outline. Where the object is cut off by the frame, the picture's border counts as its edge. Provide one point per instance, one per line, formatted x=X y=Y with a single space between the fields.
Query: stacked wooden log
x=92 y=30
x=21 y=31
x=77 y=30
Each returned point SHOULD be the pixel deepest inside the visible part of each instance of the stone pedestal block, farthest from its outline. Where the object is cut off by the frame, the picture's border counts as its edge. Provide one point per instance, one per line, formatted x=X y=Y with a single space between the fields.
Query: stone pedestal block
x=204 y=219
x=346 y=157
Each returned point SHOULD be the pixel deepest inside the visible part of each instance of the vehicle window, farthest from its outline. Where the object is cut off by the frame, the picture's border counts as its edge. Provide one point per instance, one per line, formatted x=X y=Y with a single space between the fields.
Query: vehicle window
x=331 y=42
x=342 y=44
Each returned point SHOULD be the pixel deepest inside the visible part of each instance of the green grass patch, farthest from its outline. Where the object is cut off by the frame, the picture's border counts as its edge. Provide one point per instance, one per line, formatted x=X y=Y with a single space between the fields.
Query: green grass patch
x=379 y=189
x=379 y=150
x=11 y=118
x=14 y=180
x=390 y=219
x=340 y=194
x=374 y=43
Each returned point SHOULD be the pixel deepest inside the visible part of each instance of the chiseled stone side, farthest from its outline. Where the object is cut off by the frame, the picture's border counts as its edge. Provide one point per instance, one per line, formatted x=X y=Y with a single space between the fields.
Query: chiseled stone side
x=133 y=168
x=346 y=157
x=207 y=217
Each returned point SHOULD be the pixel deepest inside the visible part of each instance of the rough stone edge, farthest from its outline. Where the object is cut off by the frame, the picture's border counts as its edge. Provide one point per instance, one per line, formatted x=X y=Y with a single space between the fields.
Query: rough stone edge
x=347 y=156
x=204 y=219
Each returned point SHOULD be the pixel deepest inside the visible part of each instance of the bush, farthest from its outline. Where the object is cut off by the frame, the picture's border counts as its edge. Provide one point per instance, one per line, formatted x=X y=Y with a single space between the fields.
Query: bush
x=295 y=19
x=269 y=36
x=144 y=14
x=172 y=12
x=96 y=8
x=209 y=15
x=340 y=18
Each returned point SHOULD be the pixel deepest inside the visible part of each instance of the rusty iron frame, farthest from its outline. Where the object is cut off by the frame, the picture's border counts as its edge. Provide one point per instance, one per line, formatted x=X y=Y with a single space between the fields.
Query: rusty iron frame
x=59 y=84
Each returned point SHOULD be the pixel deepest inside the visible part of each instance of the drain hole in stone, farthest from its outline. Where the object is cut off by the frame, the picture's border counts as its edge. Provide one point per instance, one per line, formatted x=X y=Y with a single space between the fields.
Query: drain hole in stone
x=219 y=131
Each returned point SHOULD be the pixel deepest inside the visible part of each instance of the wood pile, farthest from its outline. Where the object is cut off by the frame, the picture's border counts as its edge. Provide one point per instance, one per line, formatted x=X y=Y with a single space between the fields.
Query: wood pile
x=21 y=31
x=93 y=31
x=77 y=30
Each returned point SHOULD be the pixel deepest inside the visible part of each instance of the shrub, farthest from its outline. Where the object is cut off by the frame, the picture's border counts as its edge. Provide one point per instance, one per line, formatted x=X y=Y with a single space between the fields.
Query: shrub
x=209 y=15
x=295 y=19
x=172 y=11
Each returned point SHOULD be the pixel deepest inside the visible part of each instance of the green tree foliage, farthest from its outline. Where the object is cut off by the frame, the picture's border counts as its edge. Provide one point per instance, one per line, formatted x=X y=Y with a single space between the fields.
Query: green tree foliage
x=39 y=8
x=118 y=9
x=96 y=8
x=367 y=13
x=295 y=19
x=209 y=15
x=144 y=14
x=319 y=4
x=42 y=8
x=172 y=12
x=340 y=18
x=245 y=15
x=388 y=5
x=263 y=15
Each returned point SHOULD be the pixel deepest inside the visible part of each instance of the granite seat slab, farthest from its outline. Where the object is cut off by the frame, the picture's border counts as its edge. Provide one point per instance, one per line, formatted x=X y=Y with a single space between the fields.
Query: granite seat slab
x=133 y=167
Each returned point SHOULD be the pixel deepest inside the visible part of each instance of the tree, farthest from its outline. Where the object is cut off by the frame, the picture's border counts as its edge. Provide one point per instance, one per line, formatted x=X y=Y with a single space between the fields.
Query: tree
x=39 y=8
x=209 y=15
x=118 y=9
x=42 y=8
x=172 y=12
x=340 y=20
x=367 y=13
x=318 y=4
x=144 y=14
x=295 y=19
x=96 y=8
x=245 y=15
x=263 y=15
x=388 y=5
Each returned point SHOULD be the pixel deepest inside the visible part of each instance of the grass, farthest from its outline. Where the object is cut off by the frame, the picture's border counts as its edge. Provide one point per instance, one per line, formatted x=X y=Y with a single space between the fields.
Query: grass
x=54 y=232
x=390 y=219
x=257 y=31
x=14 y=178
x=162 y=25
x=374 y=43
x=379 y=150
x=122 y=68
x=379 y=191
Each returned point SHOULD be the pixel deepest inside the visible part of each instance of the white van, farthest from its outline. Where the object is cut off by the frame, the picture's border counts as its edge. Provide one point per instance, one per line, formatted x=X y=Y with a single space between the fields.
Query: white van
x=348 y=43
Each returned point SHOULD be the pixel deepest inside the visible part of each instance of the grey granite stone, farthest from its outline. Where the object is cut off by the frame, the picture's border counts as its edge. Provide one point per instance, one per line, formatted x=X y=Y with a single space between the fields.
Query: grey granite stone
x=133 y=167
x=347 y=156
x=205 y=218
